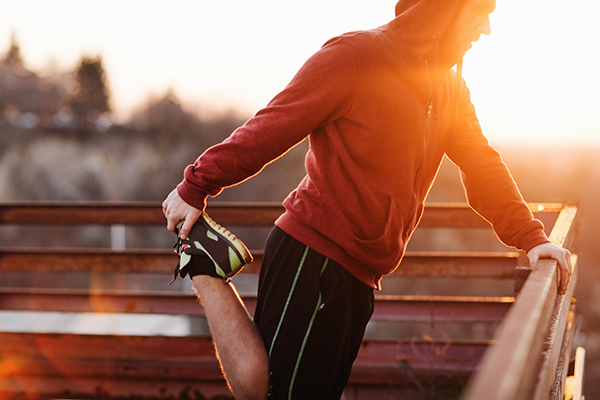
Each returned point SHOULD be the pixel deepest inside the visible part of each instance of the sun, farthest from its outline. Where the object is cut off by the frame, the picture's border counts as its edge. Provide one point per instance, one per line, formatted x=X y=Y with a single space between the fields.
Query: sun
x=533 y=79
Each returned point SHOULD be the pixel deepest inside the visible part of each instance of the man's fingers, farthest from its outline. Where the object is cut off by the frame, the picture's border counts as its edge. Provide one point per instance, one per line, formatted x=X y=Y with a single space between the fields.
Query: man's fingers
x=184 y=229
x=566 y=269
x=562 y=257
x=187 y=222
x=533 y=259
x=564 y=282
x=171 y=224
x=171 y=216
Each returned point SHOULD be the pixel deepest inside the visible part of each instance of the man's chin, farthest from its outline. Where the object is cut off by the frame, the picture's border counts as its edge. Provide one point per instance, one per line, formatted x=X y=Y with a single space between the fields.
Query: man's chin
x=448 y=60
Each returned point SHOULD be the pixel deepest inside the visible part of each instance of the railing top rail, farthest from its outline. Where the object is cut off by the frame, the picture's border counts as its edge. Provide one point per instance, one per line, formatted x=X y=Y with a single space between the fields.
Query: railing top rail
x=227 y=213
x=509 y=368
x=128 y=213
x=160 y=261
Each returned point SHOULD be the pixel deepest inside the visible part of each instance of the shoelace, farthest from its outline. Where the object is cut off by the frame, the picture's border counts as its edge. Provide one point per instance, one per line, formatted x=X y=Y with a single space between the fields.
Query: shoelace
x=179 y=246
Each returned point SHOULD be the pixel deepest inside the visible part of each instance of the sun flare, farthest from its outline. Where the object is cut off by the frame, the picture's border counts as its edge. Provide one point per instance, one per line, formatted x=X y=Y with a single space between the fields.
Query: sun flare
x=532 y=80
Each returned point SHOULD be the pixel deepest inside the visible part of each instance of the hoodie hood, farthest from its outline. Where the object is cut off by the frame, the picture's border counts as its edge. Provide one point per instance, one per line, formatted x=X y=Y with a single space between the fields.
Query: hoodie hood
x=419 y=24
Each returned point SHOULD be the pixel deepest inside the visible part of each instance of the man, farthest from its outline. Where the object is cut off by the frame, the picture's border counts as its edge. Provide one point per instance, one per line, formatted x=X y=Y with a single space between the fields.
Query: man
x=381 y=108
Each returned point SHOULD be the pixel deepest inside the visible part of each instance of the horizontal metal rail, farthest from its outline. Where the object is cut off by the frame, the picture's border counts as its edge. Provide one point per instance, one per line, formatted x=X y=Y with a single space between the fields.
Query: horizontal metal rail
x=388 y=362
x=493 y=265
x=137 y=362
x=388 y=308
x=234 y=213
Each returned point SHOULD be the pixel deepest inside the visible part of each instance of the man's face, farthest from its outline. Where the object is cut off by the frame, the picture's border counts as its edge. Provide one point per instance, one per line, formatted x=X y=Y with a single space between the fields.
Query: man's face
x=472 y=21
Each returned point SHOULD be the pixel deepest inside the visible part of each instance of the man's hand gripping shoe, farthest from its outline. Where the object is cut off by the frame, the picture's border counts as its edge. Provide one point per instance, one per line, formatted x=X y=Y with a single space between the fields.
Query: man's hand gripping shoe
x=210 y=250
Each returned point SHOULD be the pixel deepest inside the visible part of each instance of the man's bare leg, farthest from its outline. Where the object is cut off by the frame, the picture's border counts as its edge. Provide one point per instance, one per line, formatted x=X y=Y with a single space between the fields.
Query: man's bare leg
x=240 y=348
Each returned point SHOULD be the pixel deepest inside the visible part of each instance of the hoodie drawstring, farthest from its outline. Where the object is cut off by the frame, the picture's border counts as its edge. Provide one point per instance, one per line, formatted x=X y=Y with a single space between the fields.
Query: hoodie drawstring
x=435 y=62
x=457 y=95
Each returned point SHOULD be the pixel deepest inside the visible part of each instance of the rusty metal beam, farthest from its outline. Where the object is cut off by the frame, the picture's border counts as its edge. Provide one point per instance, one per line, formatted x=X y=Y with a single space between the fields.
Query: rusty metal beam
x=80 y=300
x=96 y=362
x=389 y=362
x=87 y=260
x=387 y=308
x=33 y=387
x=441 y=308
x=563 y=230
x=451 y=215
x=429 y=264
x=253 y=214
x=555 y=354
x=91 y=365
x=455 y=264
x=562 y=367
x=129 y=213
x=107 y=347
x=101 y=213
x=579 y=373
x=511 y=369
x=227 y=213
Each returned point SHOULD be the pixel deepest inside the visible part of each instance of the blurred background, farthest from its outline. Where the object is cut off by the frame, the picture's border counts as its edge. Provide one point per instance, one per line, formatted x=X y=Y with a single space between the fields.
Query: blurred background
x=110 y=100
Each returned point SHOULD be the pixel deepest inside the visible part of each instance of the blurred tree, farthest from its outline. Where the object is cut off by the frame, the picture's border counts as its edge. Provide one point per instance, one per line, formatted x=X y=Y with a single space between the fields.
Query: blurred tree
x=13 y=56
x=165 y=117
x=167 y=123
x=90 y=96
x=21 y=91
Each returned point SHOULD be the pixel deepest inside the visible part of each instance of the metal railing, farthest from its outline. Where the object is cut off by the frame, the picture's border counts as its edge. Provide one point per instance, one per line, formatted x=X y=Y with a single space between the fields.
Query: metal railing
x=526 y=358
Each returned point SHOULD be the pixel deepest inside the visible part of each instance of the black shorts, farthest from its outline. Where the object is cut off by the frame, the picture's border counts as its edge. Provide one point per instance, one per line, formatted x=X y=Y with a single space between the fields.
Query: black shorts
x=311 y=314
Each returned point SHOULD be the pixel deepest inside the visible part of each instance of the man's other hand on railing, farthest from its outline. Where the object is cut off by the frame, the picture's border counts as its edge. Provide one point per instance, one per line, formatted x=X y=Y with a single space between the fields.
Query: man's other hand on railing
x=562 y=256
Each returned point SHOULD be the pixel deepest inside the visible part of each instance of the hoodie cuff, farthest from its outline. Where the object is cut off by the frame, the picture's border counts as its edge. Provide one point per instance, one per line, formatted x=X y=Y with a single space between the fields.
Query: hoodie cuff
x=534 y=241
x=193 y=198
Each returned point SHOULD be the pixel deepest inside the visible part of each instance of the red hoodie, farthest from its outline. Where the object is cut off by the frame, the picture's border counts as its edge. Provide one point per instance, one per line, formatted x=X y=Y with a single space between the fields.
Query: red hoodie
x=380 y=117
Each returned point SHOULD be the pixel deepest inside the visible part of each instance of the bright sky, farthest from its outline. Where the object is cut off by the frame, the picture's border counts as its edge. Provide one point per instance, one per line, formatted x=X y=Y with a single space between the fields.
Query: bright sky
x=535 y=79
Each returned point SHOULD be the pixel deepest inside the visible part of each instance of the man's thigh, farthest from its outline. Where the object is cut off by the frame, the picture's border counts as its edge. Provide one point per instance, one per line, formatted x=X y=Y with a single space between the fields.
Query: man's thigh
x=312 y=315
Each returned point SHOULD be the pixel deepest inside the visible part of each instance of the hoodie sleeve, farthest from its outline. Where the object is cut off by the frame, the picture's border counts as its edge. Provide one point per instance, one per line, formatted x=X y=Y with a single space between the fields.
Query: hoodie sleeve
x=490 y=188
x=320 y=92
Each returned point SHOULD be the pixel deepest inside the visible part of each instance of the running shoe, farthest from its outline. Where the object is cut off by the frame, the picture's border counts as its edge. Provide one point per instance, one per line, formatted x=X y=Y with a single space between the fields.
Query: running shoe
x=210 y=249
